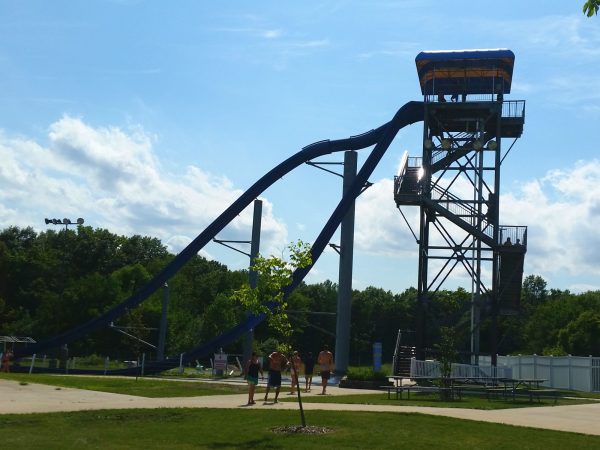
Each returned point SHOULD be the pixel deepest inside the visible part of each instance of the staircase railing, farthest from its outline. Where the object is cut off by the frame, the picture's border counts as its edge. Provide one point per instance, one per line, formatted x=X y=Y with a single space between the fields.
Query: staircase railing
x=461 y=209
x=439 y=154
x=513 y=108
x=395 y=360
x=401 y=172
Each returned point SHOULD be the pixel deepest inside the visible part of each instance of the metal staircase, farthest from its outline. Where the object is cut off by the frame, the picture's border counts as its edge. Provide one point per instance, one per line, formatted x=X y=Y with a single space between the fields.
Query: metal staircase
x=458 y=229
x=402 y=357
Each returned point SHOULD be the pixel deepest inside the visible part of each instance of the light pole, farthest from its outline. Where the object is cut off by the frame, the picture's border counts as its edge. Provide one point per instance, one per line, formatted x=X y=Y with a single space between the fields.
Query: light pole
x=66 y=222
x=64 y=351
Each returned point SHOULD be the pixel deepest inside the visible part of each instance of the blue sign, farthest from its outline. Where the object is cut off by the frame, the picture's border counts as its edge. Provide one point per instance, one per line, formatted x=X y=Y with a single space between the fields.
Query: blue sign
x=377 y=350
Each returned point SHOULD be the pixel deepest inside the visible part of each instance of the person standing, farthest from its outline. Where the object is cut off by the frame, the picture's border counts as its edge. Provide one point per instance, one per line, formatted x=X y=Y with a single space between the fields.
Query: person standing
x=252 y=369
x=309 y=367
x=277 y=362
x=6 y=358
x=325 y=360
x=295 y=364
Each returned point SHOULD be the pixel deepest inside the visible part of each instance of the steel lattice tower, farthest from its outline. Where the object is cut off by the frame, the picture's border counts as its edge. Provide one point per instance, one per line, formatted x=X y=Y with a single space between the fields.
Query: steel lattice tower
x=456 y=185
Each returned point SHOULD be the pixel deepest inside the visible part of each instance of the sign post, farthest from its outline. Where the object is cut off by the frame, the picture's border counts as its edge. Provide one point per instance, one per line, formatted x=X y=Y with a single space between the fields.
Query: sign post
x=220 y=363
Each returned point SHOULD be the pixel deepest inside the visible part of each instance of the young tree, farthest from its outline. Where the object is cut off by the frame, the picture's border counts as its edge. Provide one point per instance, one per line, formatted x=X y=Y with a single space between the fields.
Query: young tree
x=274 y=275
x=446 y=356
x=591 y=7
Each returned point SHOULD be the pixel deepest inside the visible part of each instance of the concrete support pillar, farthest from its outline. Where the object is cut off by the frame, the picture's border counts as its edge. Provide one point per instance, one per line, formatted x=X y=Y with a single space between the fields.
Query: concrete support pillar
x=253 y=276
x=162 y=334
x=344 y=302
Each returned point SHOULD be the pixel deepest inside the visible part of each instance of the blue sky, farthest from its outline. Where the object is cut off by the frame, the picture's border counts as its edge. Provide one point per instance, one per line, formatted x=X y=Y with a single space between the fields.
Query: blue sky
x=150 y=117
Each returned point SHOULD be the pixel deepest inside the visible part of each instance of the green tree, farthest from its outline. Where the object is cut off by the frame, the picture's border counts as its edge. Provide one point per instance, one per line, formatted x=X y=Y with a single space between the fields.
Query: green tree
x=544 y=325
x=314 y=330
x=534 y=292
x=377 y=315
x=582 y=335
x=274 y=275
x=219 y=317
x=590 y=7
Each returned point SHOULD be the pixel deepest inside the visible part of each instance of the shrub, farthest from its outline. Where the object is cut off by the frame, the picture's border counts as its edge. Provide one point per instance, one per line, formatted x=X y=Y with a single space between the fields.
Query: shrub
x=365 y=374
x=91 y=360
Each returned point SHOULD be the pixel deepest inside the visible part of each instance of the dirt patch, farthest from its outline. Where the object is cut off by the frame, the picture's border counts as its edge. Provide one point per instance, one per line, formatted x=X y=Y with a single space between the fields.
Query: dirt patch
x=298 y=429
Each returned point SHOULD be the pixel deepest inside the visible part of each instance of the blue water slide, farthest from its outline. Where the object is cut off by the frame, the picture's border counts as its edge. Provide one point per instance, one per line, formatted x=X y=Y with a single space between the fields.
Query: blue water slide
x=381 y=137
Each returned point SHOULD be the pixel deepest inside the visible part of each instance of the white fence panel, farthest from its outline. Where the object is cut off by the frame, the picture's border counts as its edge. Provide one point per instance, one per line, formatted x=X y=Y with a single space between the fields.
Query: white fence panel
x=560 y=372
x=578 y=373
x=595 y=376
x=432 y=369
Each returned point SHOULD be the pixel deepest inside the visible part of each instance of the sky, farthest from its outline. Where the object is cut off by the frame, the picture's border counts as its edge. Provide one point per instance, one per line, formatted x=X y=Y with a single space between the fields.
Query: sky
x=152 y=117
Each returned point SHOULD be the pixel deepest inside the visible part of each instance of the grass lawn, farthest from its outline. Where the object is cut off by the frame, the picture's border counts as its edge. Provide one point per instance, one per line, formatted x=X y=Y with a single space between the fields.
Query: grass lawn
x=427 y=399
x=143 y=387
x=222 y=429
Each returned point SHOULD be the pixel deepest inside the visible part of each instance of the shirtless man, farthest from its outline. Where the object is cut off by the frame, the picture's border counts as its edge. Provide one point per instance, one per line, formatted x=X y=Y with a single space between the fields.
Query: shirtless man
x=295 y=364
x=7 y=356
x=309 y=366
x=325 y=360
x=277 y=362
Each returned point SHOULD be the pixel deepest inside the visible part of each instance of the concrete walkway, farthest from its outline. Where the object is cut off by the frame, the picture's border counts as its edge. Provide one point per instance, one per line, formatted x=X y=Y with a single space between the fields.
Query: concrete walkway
x=34 y=398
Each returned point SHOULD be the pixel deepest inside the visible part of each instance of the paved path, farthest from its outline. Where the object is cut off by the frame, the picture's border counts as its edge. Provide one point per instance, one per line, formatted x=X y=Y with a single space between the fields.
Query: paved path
x=31 y=398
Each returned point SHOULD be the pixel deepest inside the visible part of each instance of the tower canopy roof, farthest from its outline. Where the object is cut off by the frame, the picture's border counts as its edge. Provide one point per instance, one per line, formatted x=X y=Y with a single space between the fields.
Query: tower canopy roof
x=448 y=72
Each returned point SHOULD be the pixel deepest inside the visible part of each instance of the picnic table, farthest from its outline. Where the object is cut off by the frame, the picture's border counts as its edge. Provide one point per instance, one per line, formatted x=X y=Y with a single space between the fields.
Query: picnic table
x=530 y=387
x=400 y=386
x=492 y=387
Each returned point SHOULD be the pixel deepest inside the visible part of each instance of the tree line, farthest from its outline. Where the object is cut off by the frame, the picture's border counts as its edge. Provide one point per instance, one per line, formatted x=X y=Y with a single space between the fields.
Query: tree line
x=54 y=280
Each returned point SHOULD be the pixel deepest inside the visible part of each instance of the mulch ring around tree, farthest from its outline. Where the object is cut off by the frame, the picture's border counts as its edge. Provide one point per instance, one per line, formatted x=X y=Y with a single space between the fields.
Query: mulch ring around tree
x=298 y=429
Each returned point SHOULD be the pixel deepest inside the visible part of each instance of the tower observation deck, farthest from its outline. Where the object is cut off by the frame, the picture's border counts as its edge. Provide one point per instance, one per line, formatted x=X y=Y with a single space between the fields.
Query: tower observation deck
x=455 y=182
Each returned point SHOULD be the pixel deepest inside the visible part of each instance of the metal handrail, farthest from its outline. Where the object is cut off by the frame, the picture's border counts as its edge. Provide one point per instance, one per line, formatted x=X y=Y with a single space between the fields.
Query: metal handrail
x=406 y=163
x=513 y=108
x=459 y=208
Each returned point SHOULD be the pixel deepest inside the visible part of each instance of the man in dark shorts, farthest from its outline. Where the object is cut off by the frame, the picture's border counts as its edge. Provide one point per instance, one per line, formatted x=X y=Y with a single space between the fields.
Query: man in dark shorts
x=325 y=360
x=277 y=362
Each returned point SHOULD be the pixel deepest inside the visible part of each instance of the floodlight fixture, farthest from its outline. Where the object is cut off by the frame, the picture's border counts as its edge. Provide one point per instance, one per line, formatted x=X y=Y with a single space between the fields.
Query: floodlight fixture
x=477 y=145
x=428 y=144
x=66 y=222
x=446 y=144
x=492 y=145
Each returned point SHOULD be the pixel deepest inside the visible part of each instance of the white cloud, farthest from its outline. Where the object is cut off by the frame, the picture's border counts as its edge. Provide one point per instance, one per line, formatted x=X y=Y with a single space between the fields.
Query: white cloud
x=583 y=287
x=114 y=179
x=573 y=90
x=380 y=228
x=393 y=49
x=561 y=211
x=272 y=34
x=308 y=44
x=557 y=32
x=552 y=35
